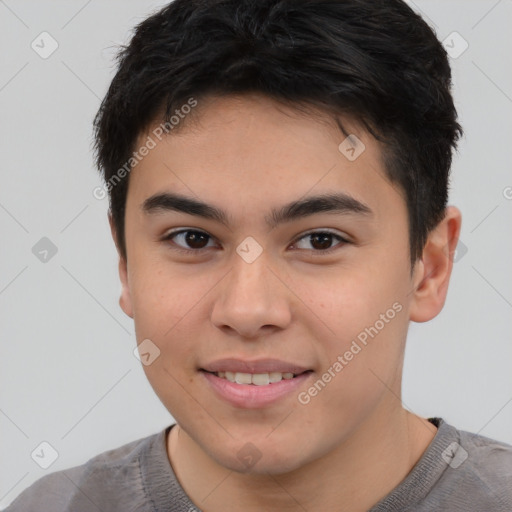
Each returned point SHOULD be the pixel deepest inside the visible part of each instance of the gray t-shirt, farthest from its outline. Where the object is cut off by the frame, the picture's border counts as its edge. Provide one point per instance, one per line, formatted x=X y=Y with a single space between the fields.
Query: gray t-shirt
x=459 y=472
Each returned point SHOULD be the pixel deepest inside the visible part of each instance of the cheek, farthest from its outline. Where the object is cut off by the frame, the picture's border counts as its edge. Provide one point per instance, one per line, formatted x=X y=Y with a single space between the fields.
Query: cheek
x=170 y=309
x=160 y=298
x=164 y=313
x=363 y=347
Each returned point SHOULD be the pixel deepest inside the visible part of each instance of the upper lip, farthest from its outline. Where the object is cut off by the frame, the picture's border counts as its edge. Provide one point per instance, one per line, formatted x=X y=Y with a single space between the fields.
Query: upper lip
x=257 y=366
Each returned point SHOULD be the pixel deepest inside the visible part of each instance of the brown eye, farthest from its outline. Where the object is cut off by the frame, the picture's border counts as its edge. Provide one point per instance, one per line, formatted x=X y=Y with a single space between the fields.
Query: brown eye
x=196 y=239
x=189 y=240
x=320 y=241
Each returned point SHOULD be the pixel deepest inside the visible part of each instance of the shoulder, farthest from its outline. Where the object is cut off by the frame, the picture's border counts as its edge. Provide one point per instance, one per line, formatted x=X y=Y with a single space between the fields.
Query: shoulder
x=111 y=475
x=485 y=446
x=478 y=473
x=488 y=459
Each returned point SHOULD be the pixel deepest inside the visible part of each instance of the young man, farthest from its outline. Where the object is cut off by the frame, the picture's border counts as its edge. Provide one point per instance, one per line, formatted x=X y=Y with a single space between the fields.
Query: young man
x=278 y=177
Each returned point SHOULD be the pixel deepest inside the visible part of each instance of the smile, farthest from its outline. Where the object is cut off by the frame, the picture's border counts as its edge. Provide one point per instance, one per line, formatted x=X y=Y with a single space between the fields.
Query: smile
x=257 y=379
x=254 y=390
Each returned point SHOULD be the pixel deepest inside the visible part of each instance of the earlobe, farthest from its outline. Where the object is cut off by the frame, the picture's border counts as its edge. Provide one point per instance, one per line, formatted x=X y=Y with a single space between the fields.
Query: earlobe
x=125 y=300
x=432 y=273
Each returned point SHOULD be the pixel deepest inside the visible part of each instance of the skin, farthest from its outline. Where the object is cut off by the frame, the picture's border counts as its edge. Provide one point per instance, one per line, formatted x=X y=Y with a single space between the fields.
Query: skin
x=246 y=154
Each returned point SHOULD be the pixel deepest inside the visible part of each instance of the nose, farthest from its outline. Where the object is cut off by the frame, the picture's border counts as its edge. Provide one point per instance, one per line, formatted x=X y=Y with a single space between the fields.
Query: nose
x=251 y=301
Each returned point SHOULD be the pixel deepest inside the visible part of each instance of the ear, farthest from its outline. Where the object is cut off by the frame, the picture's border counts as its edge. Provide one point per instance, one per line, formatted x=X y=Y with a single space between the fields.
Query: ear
x=125 y=300
x=432 y=273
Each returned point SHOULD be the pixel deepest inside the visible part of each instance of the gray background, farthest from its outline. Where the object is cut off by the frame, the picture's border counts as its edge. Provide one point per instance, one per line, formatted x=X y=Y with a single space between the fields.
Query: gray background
x=68 y=373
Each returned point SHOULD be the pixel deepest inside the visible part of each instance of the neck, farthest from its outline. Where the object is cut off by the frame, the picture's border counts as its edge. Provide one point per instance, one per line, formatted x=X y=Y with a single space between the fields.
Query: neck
x=353 y=477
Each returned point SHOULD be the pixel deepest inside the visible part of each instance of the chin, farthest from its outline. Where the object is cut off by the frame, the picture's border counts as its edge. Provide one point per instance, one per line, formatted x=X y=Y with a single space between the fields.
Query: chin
x=262 y=457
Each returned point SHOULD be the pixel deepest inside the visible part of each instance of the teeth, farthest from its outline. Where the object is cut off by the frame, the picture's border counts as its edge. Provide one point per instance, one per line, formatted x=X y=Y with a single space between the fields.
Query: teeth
x=261 y=379
x=243 y=378
x=275 y=376
x=258 y=379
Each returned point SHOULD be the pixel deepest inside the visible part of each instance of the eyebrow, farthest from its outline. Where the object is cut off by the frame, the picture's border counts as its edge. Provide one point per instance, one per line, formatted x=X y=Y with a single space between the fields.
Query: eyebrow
x=340 y=203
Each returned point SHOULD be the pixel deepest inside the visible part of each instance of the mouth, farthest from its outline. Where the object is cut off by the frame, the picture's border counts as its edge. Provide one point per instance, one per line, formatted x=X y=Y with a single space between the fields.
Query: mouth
x=254 y=385
x=256 y=379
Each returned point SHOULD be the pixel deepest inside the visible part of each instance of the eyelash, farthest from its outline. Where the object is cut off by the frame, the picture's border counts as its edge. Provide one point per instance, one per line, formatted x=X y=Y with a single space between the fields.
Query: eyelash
x=172 y=234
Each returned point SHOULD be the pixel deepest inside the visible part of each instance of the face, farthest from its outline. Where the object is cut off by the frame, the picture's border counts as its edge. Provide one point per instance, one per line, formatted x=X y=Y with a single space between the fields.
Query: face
x=260 y=291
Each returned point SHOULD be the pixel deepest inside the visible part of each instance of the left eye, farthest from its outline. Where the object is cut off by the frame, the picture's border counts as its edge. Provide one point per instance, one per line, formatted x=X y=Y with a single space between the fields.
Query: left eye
x=320 y=240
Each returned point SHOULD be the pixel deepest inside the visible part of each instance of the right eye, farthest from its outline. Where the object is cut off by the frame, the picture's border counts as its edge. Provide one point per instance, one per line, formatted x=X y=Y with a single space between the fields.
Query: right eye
x=195 y=240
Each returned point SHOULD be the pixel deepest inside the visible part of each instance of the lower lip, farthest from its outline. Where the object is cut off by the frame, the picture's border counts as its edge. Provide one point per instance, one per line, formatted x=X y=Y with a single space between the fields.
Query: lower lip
x=250 y=396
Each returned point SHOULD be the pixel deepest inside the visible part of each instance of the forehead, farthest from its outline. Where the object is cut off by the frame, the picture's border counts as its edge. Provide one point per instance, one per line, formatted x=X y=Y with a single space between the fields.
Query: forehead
x=250 y=151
